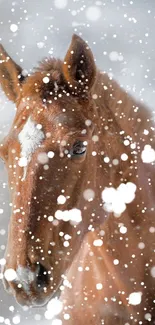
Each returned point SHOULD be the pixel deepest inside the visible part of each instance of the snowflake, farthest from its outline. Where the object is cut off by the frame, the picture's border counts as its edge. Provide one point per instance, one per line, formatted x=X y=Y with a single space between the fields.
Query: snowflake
x=115 y=200
x=135 y=298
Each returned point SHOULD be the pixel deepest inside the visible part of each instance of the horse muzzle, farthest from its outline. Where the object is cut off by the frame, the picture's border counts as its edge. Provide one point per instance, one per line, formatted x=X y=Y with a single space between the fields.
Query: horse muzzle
x=30 y=286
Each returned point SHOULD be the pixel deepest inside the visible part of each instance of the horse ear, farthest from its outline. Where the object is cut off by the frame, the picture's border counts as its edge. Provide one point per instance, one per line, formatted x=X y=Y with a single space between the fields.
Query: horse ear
x=79 y=68
x=10 y=75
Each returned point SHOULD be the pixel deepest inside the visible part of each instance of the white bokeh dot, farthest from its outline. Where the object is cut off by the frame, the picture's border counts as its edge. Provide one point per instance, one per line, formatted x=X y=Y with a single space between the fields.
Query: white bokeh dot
x=13 y=28
x=60 y=4
x=93 y=13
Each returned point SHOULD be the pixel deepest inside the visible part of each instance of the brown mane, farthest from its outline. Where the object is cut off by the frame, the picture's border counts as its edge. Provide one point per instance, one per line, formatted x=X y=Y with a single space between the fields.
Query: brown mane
x=34 y=85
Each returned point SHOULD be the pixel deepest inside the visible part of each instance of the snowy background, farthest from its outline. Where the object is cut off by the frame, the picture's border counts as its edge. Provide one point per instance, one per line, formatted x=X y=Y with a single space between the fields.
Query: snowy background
x=121 y=35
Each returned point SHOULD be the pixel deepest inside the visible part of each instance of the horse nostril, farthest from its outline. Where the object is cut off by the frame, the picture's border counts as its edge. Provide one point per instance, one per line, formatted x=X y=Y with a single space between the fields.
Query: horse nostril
x=42 y=277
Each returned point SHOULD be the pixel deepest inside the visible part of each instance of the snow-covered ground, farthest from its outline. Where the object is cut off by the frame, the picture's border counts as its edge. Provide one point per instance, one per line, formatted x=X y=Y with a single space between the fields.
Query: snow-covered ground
x=121 y=35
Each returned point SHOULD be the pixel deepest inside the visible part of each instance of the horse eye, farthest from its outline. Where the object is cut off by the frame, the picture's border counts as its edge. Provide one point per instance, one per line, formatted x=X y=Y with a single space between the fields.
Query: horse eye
x=78 y=149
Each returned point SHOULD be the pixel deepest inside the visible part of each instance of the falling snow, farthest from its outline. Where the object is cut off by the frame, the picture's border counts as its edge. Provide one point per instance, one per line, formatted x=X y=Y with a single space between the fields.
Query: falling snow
x=93 y=13
x=98 y=242
x=42 y=158
x=115 y=200
x=123 y=47
x=16 y=319
x=10 y=274
x=13 y=28
x=148 y=154
x=61 y=199
x=60 y=4
x=54 y=307
x=89 y=194
x=40 y=45
x=99 y=286
x=73 y=215
x=115 y=56
x=46 y=80
x=135 y=298
x=56 y=322
x=50 y=154
x=153 y=271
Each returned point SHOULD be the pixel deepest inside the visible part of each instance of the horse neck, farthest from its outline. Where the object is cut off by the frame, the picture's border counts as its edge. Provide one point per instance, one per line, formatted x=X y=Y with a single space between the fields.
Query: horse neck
x=112 y=103
x=121 y=117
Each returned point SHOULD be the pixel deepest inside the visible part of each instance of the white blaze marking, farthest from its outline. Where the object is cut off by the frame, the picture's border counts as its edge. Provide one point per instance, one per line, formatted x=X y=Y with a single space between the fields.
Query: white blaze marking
x=30 y=138
x=56 y=86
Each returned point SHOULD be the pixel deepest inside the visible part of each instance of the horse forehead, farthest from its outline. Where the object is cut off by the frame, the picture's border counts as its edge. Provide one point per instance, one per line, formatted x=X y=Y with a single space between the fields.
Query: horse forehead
x=30 y=137
x=70 y=120
x=34 y=130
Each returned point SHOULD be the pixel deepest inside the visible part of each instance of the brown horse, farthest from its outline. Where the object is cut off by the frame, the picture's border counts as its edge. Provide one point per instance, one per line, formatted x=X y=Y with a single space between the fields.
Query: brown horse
x=80 y=160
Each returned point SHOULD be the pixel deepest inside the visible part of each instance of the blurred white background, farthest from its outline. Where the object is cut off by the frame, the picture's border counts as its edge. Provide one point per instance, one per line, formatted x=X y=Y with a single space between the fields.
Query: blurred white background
x=121 y=35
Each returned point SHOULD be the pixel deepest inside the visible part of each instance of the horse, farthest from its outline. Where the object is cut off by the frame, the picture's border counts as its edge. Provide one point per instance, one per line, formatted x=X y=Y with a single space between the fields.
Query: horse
x=80 y=161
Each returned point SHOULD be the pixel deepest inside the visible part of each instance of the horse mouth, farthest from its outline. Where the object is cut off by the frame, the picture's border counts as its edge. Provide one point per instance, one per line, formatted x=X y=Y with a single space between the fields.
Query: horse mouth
x=36 y=293
x=42 y=278
x=38 y=300
x=44 y=301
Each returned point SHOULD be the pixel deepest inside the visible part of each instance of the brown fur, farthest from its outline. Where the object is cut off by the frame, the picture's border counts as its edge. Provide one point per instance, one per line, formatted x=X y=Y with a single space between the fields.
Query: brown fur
x=62 y=110
x=10 y=75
